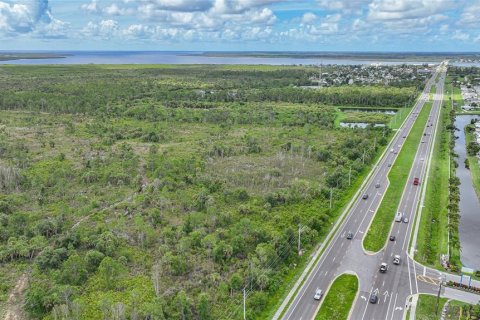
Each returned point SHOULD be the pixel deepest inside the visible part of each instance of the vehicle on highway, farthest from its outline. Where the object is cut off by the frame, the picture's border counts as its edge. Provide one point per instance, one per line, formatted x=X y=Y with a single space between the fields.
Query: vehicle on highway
x=423 y=141
x=392 y=238
x=318 y=294
x=365 y=196
x=405 y=219
x=373 y=298
x=416 y=181
x=396 y=259
x=383 y=267
x=350 y=236
x=377 y=185
x=395 y=151
x=404 y=137
x=389 y=165
x=421 y=159
x=398 y=217
x=391 y=150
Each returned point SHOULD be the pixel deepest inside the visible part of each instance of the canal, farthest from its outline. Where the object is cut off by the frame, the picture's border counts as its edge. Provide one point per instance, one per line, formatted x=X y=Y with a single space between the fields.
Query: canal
x=469 y=228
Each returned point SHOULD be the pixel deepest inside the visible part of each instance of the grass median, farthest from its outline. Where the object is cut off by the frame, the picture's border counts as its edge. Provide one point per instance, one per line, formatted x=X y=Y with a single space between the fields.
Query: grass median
x=433 y=232
x=398 y=176
x=339 y=299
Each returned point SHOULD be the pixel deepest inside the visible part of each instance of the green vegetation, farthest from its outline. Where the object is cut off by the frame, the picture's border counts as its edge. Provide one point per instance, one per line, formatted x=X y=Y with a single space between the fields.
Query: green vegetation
x=427 y=309
x=339 y=298
x=364 y=116
x=163 y=191
x=472 y=148
x=433 y=232
x=380 y=227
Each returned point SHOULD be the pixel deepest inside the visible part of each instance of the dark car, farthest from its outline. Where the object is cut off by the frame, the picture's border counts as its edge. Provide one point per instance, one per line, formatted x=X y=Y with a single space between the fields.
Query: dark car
x=373 y=298
x=365 y=196
x=350 y=236
x=392 y=238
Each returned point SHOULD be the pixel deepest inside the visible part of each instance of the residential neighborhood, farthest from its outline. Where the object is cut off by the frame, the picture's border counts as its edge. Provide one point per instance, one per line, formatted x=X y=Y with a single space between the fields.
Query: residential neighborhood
x=377 y=73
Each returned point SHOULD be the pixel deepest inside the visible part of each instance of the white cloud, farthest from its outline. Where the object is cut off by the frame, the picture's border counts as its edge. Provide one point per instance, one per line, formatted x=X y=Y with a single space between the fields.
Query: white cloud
x=459 y=35
x=114 y=10
x=346 y=6
x=29 y=16
x=308 y=17
x=91 y=7
x=105 y=29
x=388 y=10
x=179 y=5
x=471 y=15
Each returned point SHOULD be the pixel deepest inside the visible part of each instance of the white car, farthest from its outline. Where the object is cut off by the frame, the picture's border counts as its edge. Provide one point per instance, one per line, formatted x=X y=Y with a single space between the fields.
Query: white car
x=396 y=259
x=318 y=294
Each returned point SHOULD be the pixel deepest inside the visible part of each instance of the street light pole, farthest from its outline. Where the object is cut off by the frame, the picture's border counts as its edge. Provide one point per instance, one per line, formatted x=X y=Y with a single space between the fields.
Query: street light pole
x=331 y=195
x=244 y=305
x=438 y=297
x=299 y=235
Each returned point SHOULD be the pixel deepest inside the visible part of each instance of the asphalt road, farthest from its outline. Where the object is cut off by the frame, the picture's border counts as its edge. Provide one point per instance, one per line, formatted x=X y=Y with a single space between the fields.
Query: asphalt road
x=400 y=282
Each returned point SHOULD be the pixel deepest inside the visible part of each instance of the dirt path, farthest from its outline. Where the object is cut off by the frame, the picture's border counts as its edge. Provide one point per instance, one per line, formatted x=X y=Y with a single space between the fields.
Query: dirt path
x=15 y=300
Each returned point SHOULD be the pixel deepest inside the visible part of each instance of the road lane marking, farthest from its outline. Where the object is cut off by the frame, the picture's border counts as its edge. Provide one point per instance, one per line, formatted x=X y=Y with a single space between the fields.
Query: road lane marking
x=429 y=280
x=409 y=276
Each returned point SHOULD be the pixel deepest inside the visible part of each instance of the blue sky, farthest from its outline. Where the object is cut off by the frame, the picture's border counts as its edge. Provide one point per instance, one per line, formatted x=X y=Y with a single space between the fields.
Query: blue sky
x=315 y=25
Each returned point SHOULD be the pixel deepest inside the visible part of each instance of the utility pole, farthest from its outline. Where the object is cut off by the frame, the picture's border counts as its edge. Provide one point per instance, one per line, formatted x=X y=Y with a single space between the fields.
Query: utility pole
x=244 y=304
x=438 y=297
x=331 y=195
x=299 y=239
x=349 y=175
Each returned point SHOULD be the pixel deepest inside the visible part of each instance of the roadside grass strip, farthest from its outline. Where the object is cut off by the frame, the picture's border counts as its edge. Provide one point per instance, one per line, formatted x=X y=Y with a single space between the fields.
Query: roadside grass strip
x=426 y=307
x=398 y=175
x=339 y=299
x=473 y=163
x=433 y=232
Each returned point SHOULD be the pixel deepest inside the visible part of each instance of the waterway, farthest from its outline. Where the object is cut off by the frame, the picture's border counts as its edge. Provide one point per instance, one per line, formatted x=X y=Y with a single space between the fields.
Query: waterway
x=182 y=57
x=469 y=228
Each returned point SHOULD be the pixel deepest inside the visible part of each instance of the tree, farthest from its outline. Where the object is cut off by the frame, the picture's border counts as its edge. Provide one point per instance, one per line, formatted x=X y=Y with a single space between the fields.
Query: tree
x=183 y=306
x=74 y=270
x=93 y=258
x=110 y=272
x=204 y=307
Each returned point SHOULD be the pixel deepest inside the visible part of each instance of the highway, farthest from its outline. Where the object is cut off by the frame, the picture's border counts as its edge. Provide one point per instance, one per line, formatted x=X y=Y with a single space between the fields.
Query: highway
x=395 y=287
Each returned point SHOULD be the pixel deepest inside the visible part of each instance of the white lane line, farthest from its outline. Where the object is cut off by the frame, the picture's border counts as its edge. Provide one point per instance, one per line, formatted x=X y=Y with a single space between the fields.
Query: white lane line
x=409 y=276
x=394 y=304
x=424 y=270
x=415 y=272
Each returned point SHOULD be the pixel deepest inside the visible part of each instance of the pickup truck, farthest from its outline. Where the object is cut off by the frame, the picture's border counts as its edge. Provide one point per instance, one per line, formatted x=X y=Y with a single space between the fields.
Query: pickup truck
x=398 y=217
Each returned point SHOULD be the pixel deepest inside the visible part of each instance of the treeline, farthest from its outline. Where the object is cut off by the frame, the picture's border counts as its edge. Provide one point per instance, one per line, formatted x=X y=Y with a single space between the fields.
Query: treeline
x=49 y=89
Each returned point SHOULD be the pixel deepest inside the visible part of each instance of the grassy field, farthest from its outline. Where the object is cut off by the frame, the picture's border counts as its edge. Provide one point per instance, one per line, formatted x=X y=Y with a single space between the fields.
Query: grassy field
x=339 y=298
x=473 y=162
x=456 y=310
x=380 y=227
x=163 y=188
x=433 y=233
x=426 y=307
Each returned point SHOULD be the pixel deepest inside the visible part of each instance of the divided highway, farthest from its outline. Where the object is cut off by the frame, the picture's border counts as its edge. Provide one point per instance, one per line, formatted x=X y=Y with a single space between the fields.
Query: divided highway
x=394 y=287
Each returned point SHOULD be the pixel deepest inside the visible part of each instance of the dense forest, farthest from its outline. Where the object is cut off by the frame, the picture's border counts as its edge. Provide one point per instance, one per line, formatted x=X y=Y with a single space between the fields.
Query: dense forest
x=161 y=192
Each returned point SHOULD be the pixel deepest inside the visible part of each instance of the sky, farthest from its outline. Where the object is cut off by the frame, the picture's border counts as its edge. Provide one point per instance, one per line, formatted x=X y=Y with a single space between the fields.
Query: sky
x=241 y=25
